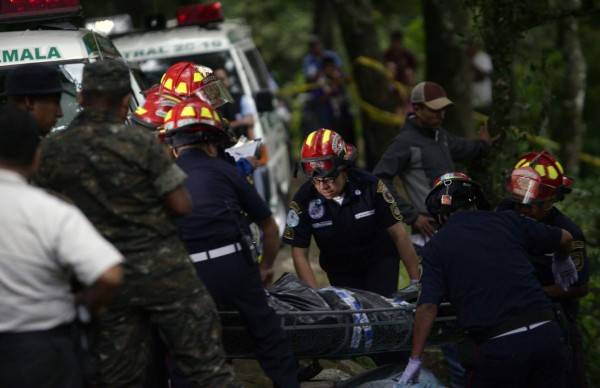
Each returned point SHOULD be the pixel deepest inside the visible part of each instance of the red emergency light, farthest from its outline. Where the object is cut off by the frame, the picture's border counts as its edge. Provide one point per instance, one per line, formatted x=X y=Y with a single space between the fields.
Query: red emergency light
x=199 y=14
x=13 y=11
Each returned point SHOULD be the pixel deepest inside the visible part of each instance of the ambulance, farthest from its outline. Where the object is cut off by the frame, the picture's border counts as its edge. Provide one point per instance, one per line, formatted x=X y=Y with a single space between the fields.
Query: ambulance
x=47 y=38
x=200 y=34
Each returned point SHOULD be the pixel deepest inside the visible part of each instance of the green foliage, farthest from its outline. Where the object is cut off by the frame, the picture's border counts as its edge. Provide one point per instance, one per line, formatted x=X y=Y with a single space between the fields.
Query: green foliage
x=583 y=207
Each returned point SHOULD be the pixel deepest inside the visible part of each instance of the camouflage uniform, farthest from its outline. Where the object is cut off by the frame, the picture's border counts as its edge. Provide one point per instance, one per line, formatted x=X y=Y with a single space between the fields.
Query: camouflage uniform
x=118 y=175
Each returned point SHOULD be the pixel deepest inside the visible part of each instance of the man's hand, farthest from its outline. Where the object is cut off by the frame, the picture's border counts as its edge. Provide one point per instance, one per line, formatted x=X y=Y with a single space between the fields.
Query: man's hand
x=411 y=372
x=564 y=272
x=266 y=275
x=425 y=225
x=484 y=135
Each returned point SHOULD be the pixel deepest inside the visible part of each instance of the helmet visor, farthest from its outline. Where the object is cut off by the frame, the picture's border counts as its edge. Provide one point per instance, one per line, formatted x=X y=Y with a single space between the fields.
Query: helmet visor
x=526 y=188
x=319 y=167
x=214 y=92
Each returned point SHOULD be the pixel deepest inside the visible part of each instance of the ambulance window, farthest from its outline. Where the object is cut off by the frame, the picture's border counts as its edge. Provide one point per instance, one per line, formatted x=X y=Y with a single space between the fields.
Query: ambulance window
x=258 y=68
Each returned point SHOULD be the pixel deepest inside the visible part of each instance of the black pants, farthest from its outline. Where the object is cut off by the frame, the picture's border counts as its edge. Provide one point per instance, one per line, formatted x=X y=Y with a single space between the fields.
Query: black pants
x=534 y=358
x=235 y=284
x=39 y=359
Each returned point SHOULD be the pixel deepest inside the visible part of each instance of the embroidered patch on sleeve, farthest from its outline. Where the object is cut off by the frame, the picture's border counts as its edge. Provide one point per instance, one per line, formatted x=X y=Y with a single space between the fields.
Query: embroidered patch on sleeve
x=289 y=233
x=396 y=212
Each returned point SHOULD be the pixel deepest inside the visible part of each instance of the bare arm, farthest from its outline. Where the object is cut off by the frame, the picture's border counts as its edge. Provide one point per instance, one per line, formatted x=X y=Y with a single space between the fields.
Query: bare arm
x=271 y=247
x=102 y=290
x=178 y=201
x=557 y=292
x=424 y=318
x=565 y=247
x=405 y=248
x=302 y=266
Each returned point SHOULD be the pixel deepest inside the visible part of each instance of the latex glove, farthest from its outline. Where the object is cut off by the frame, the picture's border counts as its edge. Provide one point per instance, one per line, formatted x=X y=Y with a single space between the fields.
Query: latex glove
x=411 y=372
x=564 y=272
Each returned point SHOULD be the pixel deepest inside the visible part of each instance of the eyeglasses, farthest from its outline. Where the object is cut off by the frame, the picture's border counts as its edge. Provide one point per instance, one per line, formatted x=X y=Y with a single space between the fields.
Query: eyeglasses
x=324 y=181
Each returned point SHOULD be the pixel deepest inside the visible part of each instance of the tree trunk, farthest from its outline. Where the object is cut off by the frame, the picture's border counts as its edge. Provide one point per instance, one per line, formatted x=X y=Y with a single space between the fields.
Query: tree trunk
x=445 y=24
x=360 y=39
x=572 y=127
x=324 y=22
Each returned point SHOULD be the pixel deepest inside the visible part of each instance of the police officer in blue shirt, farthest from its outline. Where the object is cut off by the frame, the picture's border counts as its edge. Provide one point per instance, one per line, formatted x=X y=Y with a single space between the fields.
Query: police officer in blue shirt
x=479 y=260
x=548 y=186
x=217 y=238
x=353 y=218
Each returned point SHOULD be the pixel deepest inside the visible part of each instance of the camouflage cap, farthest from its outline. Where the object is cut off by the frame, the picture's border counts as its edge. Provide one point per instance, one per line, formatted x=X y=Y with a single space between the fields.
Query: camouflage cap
x=105 y=75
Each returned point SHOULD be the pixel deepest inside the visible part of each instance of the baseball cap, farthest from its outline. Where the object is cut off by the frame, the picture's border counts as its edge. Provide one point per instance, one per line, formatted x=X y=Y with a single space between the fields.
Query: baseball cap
x=33 y=79
x=430 y=94
x=105 y=75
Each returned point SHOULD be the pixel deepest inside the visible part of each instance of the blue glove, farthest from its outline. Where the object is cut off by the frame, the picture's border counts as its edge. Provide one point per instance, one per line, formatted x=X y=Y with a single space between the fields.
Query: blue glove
x=564 y=272
x=411 y=372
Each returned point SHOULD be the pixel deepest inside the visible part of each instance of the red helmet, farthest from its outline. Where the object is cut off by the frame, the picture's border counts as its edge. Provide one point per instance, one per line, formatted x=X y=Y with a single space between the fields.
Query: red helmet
x=193 y=116
x=324 y=153
x=537 y=178
x=152 y=113
x=186 y=79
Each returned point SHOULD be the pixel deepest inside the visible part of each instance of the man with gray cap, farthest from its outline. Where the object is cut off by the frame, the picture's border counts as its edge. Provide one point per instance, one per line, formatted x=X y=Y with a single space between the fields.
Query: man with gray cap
x=36 y=88
x=423 y=151
x=127 y=185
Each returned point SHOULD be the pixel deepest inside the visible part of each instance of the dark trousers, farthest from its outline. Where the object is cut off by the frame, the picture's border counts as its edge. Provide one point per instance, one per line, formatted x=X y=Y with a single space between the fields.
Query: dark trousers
x=534 y=358
x=40 y=359
x=235 y=284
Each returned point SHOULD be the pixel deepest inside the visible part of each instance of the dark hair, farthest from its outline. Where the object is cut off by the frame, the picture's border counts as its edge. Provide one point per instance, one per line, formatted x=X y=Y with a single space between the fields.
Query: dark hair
x=19 y=137
x=110 y=98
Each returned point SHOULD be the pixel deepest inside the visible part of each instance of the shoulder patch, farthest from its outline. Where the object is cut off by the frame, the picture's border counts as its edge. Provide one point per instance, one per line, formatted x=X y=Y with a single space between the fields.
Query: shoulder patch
x=294 y=206
x=395 y=211
x=293 y=219
x=288 y=233
x=578 y=254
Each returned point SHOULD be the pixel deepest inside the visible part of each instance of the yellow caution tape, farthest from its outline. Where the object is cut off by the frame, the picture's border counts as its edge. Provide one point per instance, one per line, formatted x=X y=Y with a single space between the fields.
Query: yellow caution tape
x=542 y=141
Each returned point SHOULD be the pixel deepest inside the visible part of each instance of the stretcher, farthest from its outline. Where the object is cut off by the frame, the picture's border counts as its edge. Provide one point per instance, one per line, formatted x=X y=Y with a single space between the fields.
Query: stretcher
x=337 y=334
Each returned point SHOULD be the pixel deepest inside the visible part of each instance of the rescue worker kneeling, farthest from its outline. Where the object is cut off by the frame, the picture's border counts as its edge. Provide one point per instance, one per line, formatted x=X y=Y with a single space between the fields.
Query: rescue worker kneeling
x=216 y=235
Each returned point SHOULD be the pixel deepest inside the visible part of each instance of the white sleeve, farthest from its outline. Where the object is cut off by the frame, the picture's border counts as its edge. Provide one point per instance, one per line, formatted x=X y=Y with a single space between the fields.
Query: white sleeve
x=80 y=246
x=246 y=107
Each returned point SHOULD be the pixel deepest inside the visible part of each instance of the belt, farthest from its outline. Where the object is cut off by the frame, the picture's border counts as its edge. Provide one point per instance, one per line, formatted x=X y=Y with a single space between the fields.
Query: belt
x=521 y=329
x=214 y=253
x=522 y=322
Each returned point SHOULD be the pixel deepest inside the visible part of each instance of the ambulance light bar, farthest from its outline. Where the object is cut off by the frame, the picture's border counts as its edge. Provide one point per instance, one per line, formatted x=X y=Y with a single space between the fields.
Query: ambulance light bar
x=15 y=11
x=199 y=14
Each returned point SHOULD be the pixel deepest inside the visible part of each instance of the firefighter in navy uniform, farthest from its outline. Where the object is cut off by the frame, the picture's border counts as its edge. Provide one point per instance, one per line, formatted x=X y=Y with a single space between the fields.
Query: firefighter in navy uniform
x=352 y=216
x=215 y=233
x=479 y=260
x=542 y=174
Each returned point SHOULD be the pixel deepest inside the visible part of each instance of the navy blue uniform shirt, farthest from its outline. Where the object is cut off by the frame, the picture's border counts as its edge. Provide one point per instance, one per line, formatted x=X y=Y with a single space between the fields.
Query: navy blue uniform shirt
x=480 y=261
x=212 y=183
x=352 y=232
x=543 y=263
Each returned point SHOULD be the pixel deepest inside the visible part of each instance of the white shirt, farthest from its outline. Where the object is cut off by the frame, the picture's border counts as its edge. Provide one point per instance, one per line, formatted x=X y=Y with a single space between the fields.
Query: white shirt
x=43 y=242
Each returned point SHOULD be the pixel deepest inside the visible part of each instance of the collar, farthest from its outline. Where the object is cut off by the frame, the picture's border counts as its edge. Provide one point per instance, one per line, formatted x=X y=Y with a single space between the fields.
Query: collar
x=9 y=176
x=352 y=188
x=427 y=131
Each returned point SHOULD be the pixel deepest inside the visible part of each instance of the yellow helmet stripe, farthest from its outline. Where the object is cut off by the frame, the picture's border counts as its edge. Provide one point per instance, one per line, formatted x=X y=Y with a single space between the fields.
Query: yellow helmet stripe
x=168 y=84
x=187 y=111
x=182 y=87
x=310 y=138
x=326 y=135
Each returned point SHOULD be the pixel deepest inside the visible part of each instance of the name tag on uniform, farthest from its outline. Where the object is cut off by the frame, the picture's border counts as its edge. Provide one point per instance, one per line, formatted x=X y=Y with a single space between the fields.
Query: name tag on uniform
x=322 y=224
x=364 y=214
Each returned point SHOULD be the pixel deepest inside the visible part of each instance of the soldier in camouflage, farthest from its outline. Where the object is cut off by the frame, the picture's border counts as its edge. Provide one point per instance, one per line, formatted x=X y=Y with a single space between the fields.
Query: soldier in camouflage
x=124 y=182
